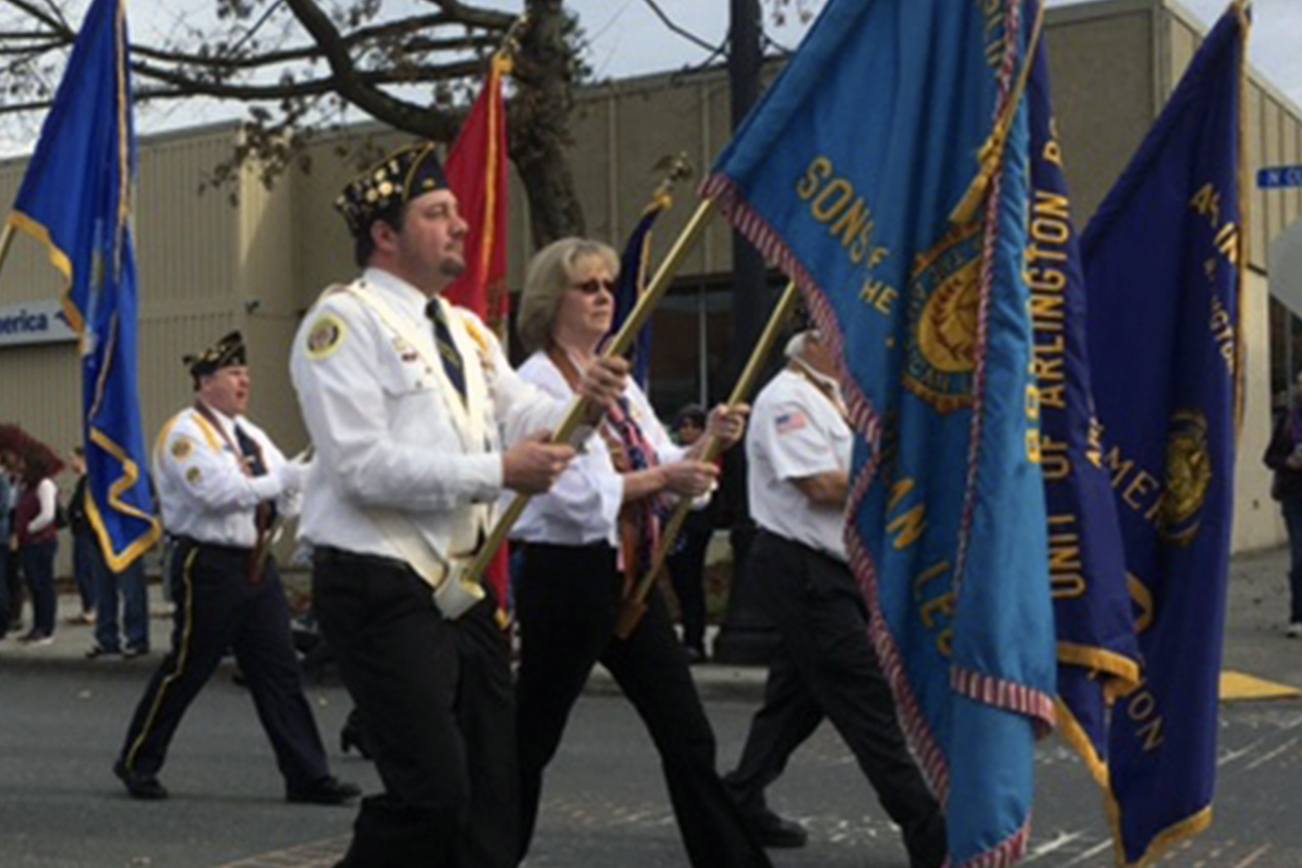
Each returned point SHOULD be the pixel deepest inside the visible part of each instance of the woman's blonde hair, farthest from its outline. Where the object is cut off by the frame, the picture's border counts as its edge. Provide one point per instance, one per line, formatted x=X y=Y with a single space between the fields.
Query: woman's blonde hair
x=551 y=272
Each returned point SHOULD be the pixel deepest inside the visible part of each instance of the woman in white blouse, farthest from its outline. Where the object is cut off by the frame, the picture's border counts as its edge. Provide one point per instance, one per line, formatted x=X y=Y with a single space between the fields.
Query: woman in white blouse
x=591 y=536
x=37 y=531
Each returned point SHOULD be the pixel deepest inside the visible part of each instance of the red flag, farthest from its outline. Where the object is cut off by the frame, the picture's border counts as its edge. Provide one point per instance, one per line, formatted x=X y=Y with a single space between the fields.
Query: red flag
x=476 y=172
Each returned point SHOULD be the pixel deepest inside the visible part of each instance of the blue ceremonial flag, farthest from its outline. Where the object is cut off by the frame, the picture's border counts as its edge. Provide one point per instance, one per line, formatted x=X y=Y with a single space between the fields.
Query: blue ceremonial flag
x=633 y=265
x=76 y=199
x=1098 y=653
x=1164 y=259
x=886 y=172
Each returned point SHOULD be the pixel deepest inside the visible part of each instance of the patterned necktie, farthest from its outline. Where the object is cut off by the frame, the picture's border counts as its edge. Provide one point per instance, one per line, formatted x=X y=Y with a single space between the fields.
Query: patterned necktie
x=452 y=365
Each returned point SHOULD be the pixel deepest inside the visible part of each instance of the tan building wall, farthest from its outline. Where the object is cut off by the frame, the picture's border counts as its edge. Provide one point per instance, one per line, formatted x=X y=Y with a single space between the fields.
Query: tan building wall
x=207 y=266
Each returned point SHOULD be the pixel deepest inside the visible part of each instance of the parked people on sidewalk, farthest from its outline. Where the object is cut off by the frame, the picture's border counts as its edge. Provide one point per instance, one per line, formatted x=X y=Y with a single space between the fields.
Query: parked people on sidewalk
x=1284 y=457
x=403 y=395
x=38 y=537
x=798 y=451
x=686 y=565
x=586 y=541
x=85 y=570
x=221 y=483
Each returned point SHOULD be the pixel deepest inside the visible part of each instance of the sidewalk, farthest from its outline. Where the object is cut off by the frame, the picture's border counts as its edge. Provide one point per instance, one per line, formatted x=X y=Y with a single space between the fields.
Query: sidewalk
x=1254 y=637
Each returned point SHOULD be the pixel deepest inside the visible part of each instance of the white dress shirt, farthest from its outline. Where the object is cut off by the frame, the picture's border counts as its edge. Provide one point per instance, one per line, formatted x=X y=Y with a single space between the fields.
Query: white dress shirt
x=391 y=432
x=583 y=506
x=796 y=432
x=202 y=487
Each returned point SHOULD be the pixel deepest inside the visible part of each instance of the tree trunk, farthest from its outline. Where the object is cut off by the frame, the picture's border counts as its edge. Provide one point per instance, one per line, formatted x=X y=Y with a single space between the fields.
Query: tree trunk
x=539 y=123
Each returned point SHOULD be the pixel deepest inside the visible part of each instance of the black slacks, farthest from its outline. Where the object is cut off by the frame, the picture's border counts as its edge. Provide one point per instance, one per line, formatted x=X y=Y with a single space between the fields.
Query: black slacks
x=435 y=701
x=218 y=608
x=825 y=665
x=567 y=599
x=687 y=571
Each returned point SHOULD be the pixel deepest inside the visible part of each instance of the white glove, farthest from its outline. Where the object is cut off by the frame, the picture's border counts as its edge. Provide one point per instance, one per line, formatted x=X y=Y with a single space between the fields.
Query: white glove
x=292 y=475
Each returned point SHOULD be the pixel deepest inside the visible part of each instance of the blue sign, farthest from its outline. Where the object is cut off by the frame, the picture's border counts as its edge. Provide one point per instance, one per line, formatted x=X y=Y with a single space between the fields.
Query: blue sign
x=1274 y=177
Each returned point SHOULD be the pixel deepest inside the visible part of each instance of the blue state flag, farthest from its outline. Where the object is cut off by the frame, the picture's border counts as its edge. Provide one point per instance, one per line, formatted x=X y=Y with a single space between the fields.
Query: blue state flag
x=886 y=171
x=633 y=265
x=1098 y=654
x=1164 y=259
x=76 y=199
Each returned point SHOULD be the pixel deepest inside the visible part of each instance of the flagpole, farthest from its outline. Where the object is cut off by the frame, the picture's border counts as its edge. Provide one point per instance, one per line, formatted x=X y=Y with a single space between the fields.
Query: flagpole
x=635 y=604
x=618 y=346
x=6 y=241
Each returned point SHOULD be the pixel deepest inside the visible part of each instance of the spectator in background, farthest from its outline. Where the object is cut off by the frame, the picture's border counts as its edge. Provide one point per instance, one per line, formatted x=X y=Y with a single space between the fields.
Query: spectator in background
x=85 y=568
x=12 y=573
x=7 y=489
x=1284 y=456
x=38 y=538
x=687 y=562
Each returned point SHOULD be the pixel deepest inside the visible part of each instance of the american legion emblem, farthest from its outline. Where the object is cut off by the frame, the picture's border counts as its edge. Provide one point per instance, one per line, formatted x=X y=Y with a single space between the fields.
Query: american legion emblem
x=1188 y=477
x=944 y=303
x=182 y=447
x=325 y=336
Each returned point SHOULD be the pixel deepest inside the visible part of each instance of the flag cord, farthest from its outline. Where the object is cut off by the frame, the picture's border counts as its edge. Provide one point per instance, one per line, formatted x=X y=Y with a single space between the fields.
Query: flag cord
x=990 y=157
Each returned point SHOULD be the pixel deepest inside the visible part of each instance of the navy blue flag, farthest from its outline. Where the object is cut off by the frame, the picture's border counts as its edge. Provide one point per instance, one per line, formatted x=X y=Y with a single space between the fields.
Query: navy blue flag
x=1164 y=260
x=633 y=265
x=76 y=199
x=886 y=172
x=1098 y=654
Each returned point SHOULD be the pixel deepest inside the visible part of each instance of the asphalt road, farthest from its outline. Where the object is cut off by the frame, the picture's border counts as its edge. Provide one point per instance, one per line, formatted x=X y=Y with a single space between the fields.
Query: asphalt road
x=604 y=802
x=604 y=805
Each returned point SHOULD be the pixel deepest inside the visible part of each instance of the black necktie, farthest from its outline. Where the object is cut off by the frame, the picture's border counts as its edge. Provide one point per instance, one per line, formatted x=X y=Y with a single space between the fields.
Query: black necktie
x=447 y=349
x=252 y=454
x=253 y=457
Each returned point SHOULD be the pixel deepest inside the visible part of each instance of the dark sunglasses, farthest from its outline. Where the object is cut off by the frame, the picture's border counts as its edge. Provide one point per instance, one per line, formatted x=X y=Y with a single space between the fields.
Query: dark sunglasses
x=594 y=286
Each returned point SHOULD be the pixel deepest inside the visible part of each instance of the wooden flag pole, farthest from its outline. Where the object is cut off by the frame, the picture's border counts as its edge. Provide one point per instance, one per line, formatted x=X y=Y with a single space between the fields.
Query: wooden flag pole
x=635 y=603
x=618 y=346
x=6 y=241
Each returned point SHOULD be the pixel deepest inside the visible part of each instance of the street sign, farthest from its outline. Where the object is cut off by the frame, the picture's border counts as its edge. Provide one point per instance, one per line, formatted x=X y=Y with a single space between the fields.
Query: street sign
x=1274 y=177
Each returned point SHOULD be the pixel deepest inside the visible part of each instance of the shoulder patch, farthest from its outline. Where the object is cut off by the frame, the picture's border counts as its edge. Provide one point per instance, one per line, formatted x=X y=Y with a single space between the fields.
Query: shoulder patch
x=182 y=448
x=193 y=476
x=325 y=337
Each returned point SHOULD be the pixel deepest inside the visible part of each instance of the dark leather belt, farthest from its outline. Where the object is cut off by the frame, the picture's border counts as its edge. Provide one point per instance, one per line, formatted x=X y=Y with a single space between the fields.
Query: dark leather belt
x=233 y=551
x=330 y=554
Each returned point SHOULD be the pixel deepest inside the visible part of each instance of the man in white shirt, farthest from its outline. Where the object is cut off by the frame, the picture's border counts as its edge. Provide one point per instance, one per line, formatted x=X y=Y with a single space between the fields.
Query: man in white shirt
x=798 y=451
x=221 y=483
x=406 y=398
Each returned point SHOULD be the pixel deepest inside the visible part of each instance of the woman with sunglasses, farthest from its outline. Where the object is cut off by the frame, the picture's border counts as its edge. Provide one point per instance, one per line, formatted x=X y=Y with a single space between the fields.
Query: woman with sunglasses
x=587 y=540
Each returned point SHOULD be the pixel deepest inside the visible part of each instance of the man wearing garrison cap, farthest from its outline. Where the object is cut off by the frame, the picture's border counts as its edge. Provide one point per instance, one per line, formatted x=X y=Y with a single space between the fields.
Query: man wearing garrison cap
x=405 y=397
x=221 y=484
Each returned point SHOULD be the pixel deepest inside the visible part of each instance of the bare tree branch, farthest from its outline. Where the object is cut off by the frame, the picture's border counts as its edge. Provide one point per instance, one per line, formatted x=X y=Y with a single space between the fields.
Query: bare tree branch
x=675 y=28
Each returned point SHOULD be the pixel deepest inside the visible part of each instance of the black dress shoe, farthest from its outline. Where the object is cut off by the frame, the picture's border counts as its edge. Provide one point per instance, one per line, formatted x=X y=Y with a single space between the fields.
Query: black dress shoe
x=327 y=791
x=139 y=785
x=100 y=651
x=774 y=831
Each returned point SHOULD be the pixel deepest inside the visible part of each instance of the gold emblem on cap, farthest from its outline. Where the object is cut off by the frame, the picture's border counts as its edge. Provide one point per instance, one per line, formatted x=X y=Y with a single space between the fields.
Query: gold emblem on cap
x=193 y=476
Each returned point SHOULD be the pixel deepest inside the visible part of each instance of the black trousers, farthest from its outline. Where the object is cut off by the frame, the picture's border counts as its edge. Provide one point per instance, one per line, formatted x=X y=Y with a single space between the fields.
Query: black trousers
x=435 y=702
x=825 y=665
x=687 y=570
x=218 y=608
x=567 y=599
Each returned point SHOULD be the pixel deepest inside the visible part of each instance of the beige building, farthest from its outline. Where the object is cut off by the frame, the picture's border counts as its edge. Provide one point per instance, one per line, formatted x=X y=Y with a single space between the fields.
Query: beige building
x=207 y=265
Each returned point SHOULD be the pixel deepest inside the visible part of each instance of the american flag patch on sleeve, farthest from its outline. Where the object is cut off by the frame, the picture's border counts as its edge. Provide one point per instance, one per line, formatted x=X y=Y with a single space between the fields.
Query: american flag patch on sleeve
x=788 y=422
